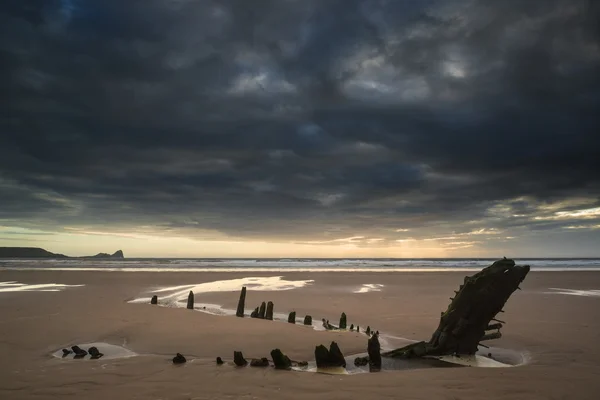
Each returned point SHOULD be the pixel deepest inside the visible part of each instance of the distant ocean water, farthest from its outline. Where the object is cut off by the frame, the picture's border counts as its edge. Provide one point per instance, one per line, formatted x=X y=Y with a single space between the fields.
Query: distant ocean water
x=293 y=264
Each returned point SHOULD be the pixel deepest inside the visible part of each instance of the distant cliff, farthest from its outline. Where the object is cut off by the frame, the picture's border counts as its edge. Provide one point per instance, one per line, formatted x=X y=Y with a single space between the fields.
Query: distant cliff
x=36 y=252
x=27 y=252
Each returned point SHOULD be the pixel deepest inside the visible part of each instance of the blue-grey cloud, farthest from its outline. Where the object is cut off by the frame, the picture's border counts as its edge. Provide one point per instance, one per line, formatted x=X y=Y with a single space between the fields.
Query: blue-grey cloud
x=298 y=119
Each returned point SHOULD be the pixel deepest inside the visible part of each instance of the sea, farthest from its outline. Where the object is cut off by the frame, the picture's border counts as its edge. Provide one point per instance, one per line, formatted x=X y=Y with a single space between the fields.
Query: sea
x=293 y=264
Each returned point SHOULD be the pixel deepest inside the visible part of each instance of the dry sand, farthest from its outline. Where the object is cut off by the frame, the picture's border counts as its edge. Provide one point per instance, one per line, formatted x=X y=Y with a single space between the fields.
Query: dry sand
x=561 y=334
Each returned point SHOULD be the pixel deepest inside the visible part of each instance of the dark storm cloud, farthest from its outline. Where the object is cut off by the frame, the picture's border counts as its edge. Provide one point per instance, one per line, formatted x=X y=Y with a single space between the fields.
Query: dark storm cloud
x=298 y=119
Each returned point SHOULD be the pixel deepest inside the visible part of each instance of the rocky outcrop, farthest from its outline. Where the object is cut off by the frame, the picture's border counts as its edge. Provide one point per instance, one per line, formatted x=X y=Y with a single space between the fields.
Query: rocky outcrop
x=36 y=252
x=27 y=252
x=116 y=254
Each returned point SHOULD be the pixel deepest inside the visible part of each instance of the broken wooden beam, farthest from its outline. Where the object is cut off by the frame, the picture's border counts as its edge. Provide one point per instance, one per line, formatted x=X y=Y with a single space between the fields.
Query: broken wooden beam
x=463 y=325
x=491 y=336
x=493 y=326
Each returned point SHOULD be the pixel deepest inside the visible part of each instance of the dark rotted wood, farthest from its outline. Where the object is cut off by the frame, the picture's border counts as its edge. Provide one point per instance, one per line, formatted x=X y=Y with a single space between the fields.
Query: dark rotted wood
x=190 y=301
x=259 y=362
x=262 y=310
x=269 y=312
x=292 y=317
x=374 y=350
x=238 y=359
x=179 y=359
x=280 y=360
x=154 y=299
x=462 y=326
x=331 y=357
x=308 y=320
x=343 y=321
x=328 y=326
x=241 y=303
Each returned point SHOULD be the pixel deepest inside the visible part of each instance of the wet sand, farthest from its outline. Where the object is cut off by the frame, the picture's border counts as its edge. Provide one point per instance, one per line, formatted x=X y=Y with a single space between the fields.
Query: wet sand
x=559 y=333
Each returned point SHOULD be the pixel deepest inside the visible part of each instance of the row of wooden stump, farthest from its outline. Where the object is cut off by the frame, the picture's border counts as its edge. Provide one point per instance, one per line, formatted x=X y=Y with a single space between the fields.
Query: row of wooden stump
x=463 y=326
x=324 y=357
x=265 y=311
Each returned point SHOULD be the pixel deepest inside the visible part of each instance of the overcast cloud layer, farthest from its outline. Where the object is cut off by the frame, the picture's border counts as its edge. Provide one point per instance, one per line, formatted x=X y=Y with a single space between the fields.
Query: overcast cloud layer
x=367 y=122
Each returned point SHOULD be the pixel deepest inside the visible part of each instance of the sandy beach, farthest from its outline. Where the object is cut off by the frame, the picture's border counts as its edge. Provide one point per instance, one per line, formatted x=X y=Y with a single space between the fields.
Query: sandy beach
x=558 y=334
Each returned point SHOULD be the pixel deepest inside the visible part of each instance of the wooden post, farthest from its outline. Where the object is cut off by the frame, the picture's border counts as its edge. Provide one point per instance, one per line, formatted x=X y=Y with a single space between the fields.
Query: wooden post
x=269 y=312
x=190 y=302
x=241 y=303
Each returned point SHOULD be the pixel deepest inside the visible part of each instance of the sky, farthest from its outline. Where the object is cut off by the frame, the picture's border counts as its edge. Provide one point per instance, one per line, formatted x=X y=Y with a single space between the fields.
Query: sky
x=301 y=128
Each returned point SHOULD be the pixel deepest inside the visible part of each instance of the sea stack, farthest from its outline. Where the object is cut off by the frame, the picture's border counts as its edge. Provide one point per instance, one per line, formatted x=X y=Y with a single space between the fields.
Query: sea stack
x=190 y=302
x=343 y=321
x=269 y=313
x=241 y=303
